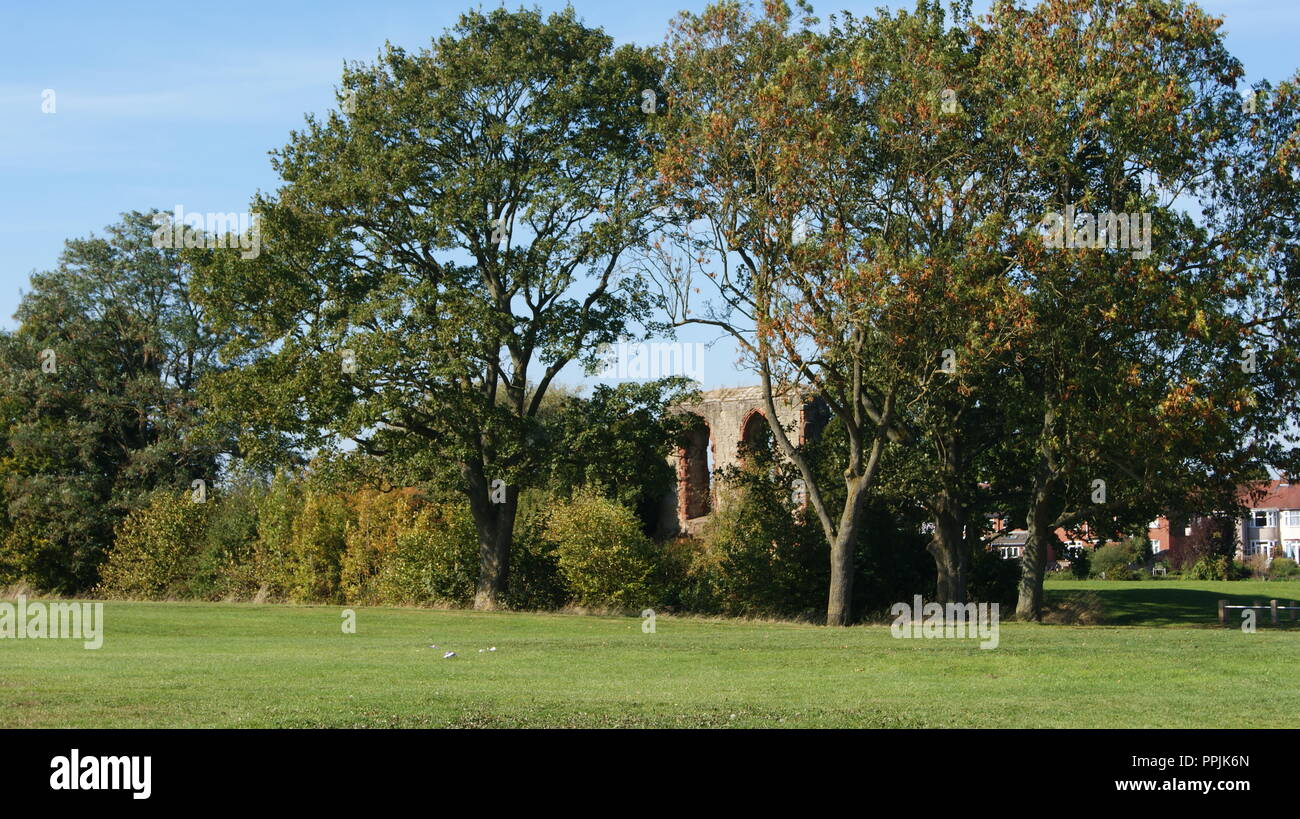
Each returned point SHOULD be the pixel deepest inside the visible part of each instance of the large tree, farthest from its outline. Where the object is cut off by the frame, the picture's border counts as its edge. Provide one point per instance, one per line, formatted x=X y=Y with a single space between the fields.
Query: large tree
x=836 y=199
x=98 y=400
x=1131 y=372
x=440 y=250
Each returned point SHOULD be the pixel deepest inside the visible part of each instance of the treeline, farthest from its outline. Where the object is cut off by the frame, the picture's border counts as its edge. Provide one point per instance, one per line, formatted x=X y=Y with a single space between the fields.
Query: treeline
x=1040 y=262
x=301 y=538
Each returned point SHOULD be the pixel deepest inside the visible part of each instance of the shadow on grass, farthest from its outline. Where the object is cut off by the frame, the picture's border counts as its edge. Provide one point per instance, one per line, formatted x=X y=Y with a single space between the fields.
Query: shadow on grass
x=1176 y=607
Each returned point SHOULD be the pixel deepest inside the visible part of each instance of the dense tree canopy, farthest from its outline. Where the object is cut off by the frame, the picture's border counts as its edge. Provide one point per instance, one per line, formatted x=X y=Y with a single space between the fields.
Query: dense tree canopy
x=441 y=249
x=99 y=400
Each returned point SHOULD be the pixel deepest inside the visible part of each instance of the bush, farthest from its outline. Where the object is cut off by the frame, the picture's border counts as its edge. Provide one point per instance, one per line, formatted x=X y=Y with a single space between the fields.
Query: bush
x=762 y=556
x=1284 y=568
x=316 y=548
x=684 y=576
x=1213 y=567
x=155 y=549
x=377 y=522
x=993 y=580
x=1111 y=561
x=603 y=556
x=1123 y=573
x=435 y=561
x=1080 y=563
x=277 y=508
x=226 y=553
x=535 y=579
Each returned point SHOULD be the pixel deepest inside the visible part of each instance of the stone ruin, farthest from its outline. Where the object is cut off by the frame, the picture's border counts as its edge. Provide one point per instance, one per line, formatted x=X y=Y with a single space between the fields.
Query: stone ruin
x=730 y=419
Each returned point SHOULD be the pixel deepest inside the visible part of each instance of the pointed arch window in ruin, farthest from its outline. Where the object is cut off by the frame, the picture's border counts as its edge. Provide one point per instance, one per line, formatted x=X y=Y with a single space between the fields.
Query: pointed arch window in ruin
x=695 y=471
x=756 y=437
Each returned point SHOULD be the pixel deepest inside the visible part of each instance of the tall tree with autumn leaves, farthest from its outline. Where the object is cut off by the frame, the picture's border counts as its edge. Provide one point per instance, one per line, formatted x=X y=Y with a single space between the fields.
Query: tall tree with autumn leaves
x=825 y=184
x=1132 y=370
x=866 y=205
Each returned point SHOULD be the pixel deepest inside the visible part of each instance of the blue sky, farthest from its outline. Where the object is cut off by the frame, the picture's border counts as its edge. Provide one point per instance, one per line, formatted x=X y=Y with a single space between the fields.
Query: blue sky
x=165 y=103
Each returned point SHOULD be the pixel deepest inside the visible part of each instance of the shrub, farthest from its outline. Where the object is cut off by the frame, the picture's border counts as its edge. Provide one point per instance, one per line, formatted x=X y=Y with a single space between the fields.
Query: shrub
x=316 y=548
x=377 y=522
x=435 y=561
x=762 y=556
x=226 y=552
x=1080 y=563
x=993 y=580
x=603 y=556
x=684 y=575
x=1111 y=561
x=535 y=578
x=1213 y=567
x=1284 y=568
x=277 y=508
x=155 y=548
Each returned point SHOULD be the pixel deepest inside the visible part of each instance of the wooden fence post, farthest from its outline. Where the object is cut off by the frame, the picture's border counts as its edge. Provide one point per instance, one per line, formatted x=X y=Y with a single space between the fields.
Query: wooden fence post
x=1223 y=613
x=1273 y=604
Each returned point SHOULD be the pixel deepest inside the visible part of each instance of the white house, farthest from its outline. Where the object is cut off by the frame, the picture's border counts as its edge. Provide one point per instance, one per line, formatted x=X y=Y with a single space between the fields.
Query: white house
x=1271 y=526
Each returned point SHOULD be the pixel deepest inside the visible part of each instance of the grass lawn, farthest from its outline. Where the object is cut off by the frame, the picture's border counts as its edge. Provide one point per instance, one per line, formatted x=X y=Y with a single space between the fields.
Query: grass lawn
x=223 y=665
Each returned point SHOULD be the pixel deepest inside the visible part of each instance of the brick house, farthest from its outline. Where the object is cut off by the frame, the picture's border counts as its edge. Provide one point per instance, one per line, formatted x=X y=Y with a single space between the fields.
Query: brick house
x=1271 y=523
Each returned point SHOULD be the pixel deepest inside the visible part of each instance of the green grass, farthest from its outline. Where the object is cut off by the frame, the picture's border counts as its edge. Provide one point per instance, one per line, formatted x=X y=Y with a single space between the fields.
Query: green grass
x=1178 y=602
x=216 y=665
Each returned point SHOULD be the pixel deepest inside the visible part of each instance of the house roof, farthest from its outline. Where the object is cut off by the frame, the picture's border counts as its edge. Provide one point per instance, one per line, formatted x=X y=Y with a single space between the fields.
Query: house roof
x=1015 y=537
x=1270 y=495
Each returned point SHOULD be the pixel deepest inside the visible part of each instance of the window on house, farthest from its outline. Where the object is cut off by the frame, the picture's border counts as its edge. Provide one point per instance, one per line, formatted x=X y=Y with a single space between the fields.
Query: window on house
x=1291 y=517
x=1263 y=517
x=1155 y=546
x=1259 y=547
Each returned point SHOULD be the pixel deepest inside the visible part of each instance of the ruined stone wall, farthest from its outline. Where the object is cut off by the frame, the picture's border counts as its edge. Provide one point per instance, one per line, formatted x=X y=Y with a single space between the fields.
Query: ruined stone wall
x=730 y=415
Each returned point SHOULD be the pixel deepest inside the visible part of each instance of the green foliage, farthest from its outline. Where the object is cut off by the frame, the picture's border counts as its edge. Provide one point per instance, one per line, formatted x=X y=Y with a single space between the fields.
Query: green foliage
x=616 y=442
x=316 y=547
x=91 y=433
x=993 y=580
x=227 y=546
x=1283 y=568
x=435 y=561
x=1111 y=561
x=459 y=234
x=277 y=509
x=155 y=550
x=1216 y=567
x=377 y=523
x=603 y=556
x=1081 y=563
x=768 y=559
x=535 y=578
x=684 y=575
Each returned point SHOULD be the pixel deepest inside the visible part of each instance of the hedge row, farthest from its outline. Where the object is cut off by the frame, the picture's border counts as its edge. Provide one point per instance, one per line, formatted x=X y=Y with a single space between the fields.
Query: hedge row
x=295 y=542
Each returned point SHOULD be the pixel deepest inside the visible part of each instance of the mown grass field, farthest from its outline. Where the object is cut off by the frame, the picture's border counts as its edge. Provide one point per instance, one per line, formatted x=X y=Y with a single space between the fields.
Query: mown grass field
x=1162 y=664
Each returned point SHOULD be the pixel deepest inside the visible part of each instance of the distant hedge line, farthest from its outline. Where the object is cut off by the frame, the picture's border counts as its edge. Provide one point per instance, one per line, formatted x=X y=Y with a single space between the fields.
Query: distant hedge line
x=291 y=541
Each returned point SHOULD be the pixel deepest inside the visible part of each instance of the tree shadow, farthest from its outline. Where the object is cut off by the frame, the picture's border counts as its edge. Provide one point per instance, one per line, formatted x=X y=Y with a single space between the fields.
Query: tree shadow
x=1178 y=607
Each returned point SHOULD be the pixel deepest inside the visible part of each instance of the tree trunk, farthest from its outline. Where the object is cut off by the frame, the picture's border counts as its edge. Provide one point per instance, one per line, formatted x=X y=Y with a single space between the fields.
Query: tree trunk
x=495 y=523
x=948 y=548
x=1033 y=564
x=839 y=606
